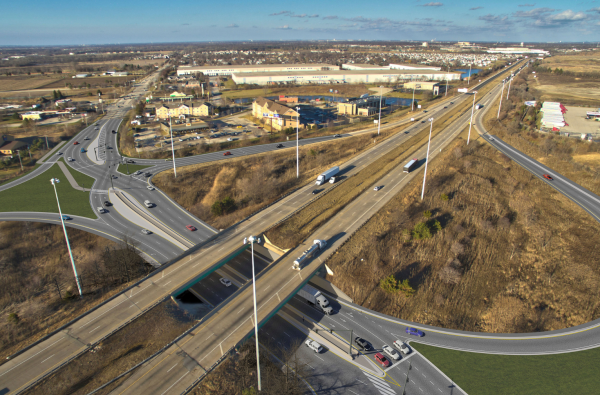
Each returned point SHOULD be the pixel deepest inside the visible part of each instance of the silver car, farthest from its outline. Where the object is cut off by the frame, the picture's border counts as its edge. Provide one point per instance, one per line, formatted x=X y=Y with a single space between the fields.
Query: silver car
x=146 y=232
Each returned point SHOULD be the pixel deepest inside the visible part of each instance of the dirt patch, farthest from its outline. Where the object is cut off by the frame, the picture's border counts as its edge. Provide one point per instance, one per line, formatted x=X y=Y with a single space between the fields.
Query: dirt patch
x=508 y=254
x=120 y=352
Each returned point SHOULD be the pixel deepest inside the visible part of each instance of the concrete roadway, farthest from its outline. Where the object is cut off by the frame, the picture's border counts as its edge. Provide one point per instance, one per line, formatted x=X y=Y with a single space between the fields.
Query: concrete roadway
x=26 y=366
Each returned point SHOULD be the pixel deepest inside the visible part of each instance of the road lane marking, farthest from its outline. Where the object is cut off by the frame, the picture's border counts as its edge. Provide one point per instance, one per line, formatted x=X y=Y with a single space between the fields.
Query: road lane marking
x=95 y=328
x=48 y=358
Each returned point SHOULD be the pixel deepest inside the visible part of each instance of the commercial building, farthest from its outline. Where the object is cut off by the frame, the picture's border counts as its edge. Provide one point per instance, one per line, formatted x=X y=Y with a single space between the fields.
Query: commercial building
x=398 y=66
x=424 y=86
x=275 y=114
x=32 y=115
x=363 y=66
x=365 y=106
x=344 y=76
x=518 y=50
x=192 y=109
x=12 y=147
x=253 y=68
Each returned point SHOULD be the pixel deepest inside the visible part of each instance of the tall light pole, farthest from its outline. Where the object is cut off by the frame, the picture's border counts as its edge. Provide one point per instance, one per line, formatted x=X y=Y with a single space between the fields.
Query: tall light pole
x=172 y=147
x=427 y=158
x=253 y=240
x=469 y=80
x=447 y=72
x=502 y=94
x=297 y=144
x=412 y=107
x=55 y=181
x=508 y=91
x=471 y=122
x=380 y=97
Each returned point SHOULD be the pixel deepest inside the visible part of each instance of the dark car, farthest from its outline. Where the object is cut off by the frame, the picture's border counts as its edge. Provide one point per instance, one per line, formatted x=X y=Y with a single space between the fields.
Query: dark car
x=315 y=191
x=422 y=121
x=114 y=131
x=548 y=177
x=362 y=343
x=337 y=135
x=383 y=361
x=107 y=203
x=279 y=146
x=147 y=174
x=414 y=332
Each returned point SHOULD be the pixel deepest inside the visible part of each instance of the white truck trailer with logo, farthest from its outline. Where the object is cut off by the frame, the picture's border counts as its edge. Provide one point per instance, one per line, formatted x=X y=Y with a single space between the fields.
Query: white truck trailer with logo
x=322 y=178
x=315 y=297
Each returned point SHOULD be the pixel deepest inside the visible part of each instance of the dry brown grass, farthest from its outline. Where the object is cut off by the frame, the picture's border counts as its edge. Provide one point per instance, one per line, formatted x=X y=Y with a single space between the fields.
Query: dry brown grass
x=93 y=81
x=25 y=82
x=577 y=63
x=120 y=352
x=513 y=255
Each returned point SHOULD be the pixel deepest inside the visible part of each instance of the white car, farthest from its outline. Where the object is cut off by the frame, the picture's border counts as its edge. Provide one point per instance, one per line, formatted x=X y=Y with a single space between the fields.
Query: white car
x=391 y=352
x=403 y=347
x=150 y=187
x=376 y=188
x=69 y=159
x=313 y=345
x=225 y=282
x=137 y=173
x=146 y=231
x=101 y=210
x=86 y=138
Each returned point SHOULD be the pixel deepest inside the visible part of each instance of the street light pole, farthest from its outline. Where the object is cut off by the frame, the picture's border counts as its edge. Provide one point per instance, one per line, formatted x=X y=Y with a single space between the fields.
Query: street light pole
x=55 y=181
x=172 y=147
x=471 y=122
x=297 y=144
x=502 y=94
x=253 y=240
x=412 y=105
x=427 y=158
x=469 y=80
x=508 y=91
x=447 y=72
x=380 y=97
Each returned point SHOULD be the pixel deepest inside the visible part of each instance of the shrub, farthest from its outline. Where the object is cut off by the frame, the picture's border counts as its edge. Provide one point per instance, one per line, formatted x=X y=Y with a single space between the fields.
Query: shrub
x=444 y=197
x=421 y=231
x=221 y=207
x=391 y=285
x=427 y=214
x=13 y=318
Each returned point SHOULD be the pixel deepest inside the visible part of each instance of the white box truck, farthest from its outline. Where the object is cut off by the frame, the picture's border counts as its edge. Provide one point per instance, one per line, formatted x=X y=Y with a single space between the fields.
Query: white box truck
x=410 y=165
x=317 y=246
x=315 y=297
x=322 y=178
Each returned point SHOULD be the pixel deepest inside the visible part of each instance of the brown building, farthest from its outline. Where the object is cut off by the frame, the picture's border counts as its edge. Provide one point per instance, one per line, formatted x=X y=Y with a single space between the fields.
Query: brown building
x=364 y=106
x=275 y=114
x=11 y=147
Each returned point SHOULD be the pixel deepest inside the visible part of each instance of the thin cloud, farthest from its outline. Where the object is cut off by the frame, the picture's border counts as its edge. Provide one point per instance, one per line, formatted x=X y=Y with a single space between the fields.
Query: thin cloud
x=185 y=24
x=299 y=16
x=434 y=4
x=280 y=13
x=595 y=9
x=495 y=19
x=330 y=17
x=563 y=18
x=314 y=16
x=535 y=13
x=475 y=8
x=284 y=27
x=233 y=25
x=527 y=5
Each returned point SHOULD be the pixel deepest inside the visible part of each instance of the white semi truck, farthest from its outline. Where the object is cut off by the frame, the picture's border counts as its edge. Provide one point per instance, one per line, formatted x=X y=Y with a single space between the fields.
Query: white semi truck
x=315 y=297
x=322 y=179
x=317 y=246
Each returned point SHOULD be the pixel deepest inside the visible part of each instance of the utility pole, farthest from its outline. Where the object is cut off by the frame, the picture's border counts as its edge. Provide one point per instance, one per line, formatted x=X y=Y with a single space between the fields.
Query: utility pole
x=427 y=158
x=469 y=80
x=380 y=97
x=172 y=147
x=21 y=163
x=471 y=122
x=47 y=146
x=508 y=91
x=447 y=72
x=412 y=107
x=253 y=240
x=297 y=144
x=502 y=94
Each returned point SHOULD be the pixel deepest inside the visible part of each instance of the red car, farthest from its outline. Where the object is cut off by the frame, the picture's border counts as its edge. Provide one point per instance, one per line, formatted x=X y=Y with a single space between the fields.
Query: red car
x=383 y=361
x=547 y=177
x=227 y=153
x=75 y=143
x=190 y=228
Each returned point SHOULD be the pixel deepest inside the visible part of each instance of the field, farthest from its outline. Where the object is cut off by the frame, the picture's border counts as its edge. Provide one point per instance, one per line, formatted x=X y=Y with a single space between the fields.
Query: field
x=584 y=62
x=26 y=82
x=567 y=89
x=93 y=81
x=482 y=374
x=38 y=195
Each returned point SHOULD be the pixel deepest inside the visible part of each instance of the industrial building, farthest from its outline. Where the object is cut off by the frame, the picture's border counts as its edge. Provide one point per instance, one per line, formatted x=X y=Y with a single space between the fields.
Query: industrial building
x=364 y=106
x=424 y=86
x=253 y=68
x=344 y=76
x=398 y=66
x=518 y=51
x=391 y=66
x=193 y=109
x=363 y=66
x=277 y=115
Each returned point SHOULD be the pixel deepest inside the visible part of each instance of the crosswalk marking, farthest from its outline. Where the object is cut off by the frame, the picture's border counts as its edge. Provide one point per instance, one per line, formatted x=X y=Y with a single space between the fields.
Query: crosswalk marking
x=380 y=384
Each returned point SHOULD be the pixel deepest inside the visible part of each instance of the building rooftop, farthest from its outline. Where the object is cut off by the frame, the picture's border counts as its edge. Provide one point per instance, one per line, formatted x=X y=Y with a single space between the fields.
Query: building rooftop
x=255 y=66
x=344 y=72
x=13 y=145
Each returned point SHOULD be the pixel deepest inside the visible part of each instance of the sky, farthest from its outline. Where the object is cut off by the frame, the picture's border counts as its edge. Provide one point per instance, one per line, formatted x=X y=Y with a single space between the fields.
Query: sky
x=70 y=22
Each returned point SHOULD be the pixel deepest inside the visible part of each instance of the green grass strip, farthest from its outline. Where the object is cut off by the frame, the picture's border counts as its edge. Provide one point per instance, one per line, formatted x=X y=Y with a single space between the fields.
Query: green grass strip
x=485 y=374
x=132 y=168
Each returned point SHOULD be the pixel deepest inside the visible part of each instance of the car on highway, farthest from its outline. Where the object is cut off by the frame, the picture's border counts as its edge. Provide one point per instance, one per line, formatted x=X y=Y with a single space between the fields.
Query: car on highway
x=69 y=159
x=451 y=102
x=279 y=146
x=314 y=192
x=148 y=203
x=150 y=188
x=225 y=281
x=146 y=232
x=147 y=174
x=362 y=343
x=383 y=361
x=75 y=143
x=114 y=131
x=113 y=177
x=414 y=332
x=377 y=188
x=101 y=210
x=313 y=345
x=422 y=121
x=66 y=217
x=168 y=160
x=337 y=135
x=106 y=203
x=191 y=228
x=548 y=177
x=403 y=347
x=59 y=153
x=445 y=106
x=227 y=153
x=137 y=173
x=391 y=352
x=86 y=138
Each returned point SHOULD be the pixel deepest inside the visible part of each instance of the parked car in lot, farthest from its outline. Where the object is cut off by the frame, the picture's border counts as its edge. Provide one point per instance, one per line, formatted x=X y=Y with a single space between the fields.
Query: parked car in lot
x=313 y=345
x=146 y=231
x=227 y=153
x=225 y=281
x=383 y=361
x=414 y=332
x=362 y=343
x=391 y=352
x=403 y=347
x=190 y=228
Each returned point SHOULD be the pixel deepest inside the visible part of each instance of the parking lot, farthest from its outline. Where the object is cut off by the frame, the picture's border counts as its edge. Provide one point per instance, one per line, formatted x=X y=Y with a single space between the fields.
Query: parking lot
x=575 y=118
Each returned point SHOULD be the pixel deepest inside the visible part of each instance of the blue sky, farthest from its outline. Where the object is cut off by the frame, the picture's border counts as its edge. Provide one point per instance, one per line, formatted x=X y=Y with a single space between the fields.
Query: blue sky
x=36 y=22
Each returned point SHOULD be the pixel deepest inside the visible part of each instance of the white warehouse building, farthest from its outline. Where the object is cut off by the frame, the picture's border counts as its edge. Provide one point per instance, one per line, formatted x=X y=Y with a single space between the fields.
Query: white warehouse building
x=344 y=76
x=253 y=68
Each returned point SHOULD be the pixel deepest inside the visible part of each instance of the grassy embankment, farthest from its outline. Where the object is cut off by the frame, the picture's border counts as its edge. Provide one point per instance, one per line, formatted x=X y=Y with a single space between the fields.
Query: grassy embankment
x=37 y=194
x=131 y=168
x=483 y=374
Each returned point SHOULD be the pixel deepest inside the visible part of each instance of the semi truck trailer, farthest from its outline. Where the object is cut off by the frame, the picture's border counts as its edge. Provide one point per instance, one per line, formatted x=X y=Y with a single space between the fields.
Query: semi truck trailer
x=322 y=178
x=315 y=297
x=317 y=246
x=410 y=165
